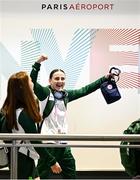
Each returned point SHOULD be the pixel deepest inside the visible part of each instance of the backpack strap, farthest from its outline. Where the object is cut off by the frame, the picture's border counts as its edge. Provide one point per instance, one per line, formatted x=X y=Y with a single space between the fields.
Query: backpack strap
x=43 y=106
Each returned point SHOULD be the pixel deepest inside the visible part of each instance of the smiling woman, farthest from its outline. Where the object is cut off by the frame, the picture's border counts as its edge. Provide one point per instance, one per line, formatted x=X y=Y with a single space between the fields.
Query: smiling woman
x=54 y=115
x=57 y=79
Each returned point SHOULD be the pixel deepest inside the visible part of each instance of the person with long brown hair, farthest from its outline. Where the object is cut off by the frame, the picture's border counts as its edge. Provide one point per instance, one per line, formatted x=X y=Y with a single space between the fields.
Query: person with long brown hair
x=21 y=113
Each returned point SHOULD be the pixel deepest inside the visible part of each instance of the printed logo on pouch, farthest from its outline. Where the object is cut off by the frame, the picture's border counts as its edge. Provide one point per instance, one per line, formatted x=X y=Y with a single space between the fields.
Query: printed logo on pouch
x=109 y=86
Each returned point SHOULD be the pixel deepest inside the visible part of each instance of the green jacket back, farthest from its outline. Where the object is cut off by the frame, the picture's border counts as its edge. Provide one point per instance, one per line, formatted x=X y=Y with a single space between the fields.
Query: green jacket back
x=127 y=155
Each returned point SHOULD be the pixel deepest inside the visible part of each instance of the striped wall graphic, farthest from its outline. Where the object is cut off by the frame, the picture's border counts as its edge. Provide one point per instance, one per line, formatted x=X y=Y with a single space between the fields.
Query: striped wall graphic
x=121 y=48
x=106 y=47
x=30 y=50
x=76 y=56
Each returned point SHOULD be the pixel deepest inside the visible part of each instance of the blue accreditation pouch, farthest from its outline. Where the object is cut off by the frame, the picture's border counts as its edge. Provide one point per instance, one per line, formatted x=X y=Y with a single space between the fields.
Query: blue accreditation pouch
x=109 y=88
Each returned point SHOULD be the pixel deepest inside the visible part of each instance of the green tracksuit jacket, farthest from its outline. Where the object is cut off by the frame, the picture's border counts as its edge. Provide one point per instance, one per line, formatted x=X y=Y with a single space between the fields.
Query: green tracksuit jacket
x=130 y=157
x=62 y=155
x=26 y=165
x=43 y=92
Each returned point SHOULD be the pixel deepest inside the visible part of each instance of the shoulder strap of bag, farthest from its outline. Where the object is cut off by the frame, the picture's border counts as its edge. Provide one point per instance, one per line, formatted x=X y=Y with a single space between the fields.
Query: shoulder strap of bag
x=39 y=125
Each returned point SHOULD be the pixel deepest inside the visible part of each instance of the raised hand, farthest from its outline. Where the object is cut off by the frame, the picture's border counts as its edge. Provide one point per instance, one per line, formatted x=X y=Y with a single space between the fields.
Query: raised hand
x=42 y=58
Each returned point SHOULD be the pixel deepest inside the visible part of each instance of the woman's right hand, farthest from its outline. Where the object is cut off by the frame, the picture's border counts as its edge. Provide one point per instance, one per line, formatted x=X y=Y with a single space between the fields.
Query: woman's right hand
x=56 y=169
x=42 y=58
